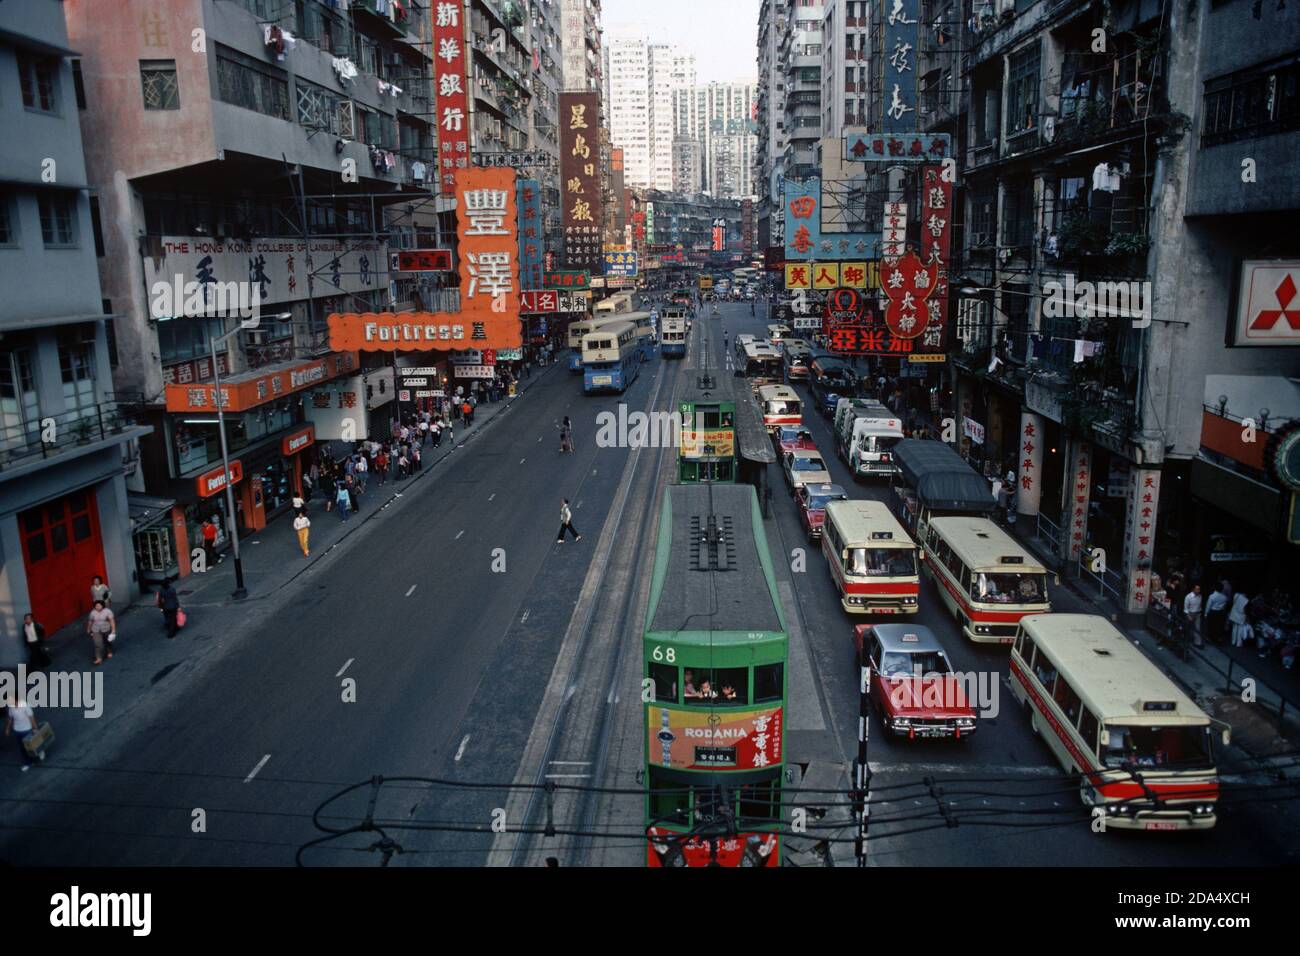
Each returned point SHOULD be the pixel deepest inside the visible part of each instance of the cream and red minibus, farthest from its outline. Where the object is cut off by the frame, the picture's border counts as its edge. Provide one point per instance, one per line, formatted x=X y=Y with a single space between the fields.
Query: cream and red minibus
x=1143 y=749
x=872 y=559
x=781 y=406
x=986 y=578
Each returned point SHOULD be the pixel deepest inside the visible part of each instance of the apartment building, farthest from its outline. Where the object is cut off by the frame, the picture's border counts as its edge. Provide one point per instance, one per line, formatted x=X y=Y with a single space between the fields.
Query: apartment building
x=769 y=116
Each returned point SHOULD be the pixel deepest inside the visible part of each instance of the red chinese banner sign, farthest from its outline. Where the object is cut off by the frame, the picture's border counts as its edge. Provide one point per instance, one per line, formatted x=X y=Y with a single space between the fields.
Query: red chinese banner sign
x=1140 y=531
x=488 y=246
x=449 y=87
x=908 y=283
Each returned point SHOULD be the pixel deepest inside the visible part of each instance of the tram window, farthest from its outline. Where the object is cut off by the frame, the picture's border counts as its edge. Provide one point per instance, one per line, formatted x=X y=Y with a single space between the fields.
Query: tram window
x=670 y=800
x=725 y=685
x=767 y=682
x=665 y=682
x=761 y=801
x=709 y=803
x=1068 y=700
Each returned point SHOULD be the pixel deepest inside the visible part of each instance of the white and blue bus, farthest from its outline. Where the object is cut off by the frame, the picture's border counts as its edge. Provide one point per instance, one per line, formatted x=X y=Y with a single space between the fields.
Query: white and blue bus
x=646 y=334
x=620 y=303
x=611 y=358
x=579 y=329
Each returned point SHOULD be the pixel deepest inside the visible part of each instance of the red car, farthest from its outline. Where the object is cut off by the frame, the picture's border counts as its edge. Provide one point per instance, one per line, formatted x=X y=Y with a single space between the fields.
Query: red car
x=915 y=690
x=793 y=438
x=812 y=506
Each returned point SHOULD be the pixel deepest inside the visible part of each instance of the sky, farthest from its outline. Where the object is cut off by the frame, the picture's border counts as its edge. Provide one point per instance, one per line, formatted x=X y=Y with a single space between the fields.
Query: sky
x=723 y=34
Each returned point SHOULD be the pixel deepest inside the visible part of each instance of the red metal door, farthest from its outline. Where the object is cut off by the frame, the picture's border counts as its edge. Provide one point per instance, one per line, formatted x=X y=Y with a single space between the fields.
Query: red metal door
x=62 y=552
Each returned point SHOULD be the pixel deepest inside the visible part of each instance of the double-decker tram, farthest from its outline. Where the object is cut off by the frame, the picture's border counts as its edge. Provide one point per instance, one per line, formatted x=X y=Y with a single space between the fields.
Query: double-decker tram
x=715 y=650
x=577 y=330
x=611 y=358
x=674 y=328
x=1143 y=749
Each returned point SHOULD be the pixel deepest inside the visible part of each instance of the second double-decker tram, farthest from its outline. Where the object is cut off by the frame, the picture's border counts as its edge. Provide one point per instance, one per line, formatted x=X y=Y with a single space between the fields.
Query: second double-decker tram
x=673 y=329
x=985 y=577
x=872 y=559
x=611 y=358
x=1143 y=748
x=715 y=650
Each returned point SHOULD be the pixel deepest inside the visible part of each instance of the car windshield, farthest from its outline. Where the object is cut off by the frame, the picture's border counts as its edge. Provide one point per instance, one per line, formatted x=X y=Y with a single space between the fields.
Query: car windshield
x=1009 y=588
x=879 y=443
x=882 y=562
x=781 y=407
x=818 y=502
x=809 y=464
x=1141 y=746
x=908 y=664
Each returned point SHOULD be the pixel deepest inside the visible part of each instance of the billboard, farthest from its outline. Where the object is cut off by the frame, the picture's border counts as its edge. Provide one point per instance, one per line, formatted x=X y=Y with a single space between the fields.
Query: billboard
x=701 y=738
x=450 y=90
x=580 y=196
x=530 y=233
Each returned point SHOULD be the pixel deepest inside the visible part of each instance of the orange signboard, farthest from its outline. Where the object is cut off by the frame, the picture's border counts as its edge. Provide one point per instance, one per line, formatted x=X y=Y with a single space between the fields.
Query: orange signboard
x=295 y=442
x=248 y=391
x=487 y=229
x=211 y=482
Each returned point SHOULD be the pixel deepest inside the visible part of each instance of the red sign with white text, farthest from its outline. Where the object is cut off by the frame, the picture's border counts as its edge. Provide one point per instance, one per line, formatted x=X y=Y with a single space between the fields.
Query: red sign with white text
x=908 y=283
x=449 y=87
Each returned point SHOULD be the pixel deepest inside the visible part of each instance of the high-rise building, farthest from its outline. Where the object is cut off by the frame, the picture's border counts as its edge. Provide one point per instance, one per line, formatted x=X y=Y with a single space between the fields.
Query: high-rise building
x=769 y=119
x=641 y=80
x=721 y=118
x=845 y=71
x=800 y=51
x=580 y=41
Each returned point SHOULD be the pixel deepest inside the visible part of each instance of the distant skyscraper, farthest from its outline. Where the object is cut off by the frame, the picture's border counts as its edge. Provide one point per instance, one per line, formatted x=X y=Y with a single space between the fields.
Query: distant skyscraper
x=720 y=117
x=641 y=79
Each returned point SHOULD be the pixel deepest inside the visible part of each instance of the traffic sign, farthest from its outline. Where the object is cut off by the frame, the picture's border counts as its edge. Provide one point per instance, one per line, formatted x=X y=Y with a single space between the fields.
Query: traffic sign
x=403 y=396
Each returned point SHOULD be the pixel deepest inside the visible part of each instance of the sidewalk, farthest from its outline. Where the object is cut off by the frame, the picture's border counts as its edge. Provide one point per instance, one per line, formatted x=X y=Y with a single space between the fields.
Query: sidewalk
x=271 y=557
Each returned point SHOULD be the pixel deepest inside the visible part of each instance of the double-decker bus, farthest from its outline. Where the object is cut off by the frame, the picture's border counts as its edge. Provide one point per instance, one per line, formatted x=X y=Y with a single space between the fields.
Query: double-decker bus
x=611 y=358
x=673 y=329
x=714 y=651
x=620 y=303
x=761 y=364
x=1144 y=750
x=985 y=577
x=578 y=330
x=872 y=559
x=645 y=332
x=781 y=406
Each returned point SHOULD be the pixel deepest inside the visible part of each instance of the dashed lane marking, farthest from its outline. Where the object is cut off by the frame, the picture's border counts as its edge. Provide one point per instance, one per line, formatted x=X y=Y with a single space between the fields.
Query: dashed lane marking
x=412 y=590
x=459 y=533
x=460 y=751
x=260 y=764
x=345 y=667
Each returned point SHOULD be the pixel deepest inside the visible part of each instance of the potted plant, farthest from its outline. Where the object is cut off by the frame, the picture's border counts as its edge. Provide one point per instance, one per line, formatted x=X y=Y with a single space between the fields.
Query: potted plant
x=1080 y=236
x=81 y=428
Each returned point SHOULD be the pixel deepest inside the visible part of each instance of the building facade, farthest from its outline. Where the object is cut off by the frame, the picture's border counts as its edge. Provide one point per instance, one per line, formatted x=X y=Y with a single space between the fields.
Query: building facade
x=721 y=118
x=580 y=43
x=67 y=443
x=769 y=116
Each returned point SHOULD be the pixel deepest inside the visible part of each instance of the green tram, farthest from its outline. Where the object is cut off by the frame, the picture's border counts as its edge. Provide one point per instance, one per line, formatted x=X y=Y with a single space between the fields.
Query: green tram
x=723 y=438
x=715 y=653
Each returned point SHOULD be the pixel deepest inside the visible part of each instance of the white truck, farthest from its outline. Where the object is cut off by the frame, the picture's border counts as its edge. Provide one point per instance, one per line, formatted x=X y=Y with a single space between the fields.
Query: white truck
x=865 y=434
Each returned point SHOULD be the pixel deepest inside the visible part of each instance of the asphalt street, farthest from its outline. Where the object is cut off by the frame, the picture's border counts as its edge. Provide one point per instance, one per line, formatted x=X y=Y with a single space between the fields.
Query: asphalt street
x=517 y=688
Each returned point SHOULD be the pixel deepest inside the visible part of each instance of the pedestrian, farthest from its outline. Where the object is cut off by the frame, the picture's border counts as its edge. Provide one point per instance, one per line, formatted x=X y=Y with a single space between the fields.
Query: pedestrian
x=361 y=472
x=566 y=523
x=170 y=603
x=302 y=525
x=354 y=496
x=34 y=637
x=210 y=540
x=342 y=498
x=566 y=441
x=403 y=466
x=20 y=722
x=448 y=425
x=416 y=459
x=1192 y=612
x=1241 y=629
x=101 y=625
x=99 y=592
x=1216 y=614
x=299 y=503
x=381 y=465
x=424 y=431
x=465 y=410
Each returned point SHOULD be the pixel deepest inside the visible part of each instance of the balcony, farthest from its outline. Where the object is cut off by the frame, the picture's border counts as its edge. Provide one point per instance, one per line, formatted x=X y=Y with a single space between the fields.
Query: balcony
x=72 y=434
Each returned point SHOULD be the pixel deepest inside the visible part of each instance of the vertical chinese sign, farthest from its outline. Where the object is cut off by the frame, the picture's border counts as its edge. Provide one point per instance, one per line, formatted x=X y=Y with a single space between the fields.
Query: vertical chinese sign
x=580 y=195
x=452 y=102
x=803 y=218
x=936 y=244
x=1140 y=528
x=530 y=233
x=901 y=34
x=1080 y=492
x=1029 y=491
x=488 y=241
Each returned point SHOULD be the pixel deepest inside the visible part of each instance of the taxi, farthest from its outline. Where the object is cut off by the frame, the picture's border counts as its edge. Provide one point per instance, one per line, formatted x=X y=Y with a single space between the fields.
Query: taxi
x=915 y=690
x=805 y=467
x=793 y=438
x=812 y=501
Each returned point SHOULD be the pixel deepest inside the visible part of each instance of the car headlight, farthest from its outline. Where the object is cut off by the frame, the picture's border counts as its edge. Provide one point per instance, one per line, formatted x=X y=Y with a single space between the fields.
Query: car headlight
x=1204 y=809
x=909 y=600
x=965 y=722
x=902 y=721
x=983 y=629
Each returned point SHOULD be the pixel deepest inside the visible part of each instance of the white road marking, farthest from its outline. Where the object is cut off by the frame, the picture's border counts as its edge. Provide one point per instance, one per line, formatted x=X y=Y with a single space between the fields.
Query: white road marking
x=412 y=591
x=522 y=460
x=567 y=776
x=570 y=763
x=539 y=439
x=260 y=764
x=491 y=496
x=525 y=617
x=460 y=751
x=458 y=534
x=345 y=667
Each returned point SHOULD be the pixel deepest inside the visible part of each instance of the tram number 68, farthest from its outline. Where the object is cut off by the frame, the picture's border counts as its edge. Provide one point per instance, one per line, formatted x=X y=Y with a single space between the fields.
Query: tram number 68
x=664 y=654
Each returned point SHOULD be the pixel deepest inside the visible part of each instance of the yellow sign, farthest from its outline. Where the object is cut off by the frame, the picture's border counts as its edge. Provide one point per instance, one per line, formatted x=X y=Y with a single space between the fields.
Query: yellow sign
x=798 y=275
x=927 y=357
x=710 y=443
x=853 y=275
x=826 y=275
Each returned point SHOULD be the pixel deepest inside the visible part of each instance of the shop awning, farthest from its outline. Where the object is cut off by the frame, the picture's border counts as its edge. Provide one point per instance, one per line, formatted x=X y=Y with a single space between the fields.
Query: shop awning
x=146 y=511
x=257 y=387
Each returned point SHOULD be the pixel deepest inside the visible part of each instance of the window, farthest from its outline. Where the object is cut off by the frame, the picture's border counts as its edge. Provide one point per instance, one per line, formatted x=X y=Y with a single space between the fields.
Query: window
x=1252 y=103
x=180 y=340
x=243 y=81
x=670 y=798
x=158 y=83
x=38 y=77
x=983 y=215
x=761 y=802
x=988 y=110
x=1088 y=730
x=78 y=85
x=8 y=220
x=665 y=682
x=19 y=407
x=1018 y=223
x=723 y=685
x=58 y=221
x=768 y=680
x=77 y=366
x=1067 y=700
x=1022 y=90
x=318 y=108
x=96 y=226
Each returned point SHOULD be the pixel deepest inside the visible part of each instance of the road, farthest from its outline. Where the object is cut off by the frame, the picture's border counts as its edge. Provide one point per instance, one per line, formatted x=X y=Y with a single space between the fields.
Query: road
x=517 y=687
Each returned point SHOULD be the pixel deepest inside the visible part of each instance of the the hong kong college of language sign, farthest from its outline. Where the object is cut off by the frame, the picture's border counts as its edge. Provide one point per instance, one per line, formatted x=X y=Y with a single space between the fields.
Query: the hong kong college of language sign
x=488 y=248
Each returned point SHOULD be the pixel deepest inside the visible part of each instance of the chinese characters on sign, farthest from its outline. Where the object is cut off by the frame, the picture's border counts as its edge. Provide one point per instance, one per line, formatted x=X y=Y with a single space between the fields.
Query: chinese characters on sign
x=580 y=196
x=1140 y=527
x=530 y=233
x=908 y=283
x=901 y=35
x=489 y=281
x=893 y=225
x=803 y=218
x=897 y=148
x=1080 y=492
x=936 y=240
x=621 y=264
x=539 y=301
x=452 y=105
x=1029 y=488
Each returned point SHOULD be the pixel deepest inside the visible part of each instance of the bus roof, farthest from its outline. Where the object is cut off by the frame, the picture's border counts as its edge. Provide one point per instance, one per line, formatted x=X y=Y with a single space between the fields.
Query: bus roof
x=611 y=328
x=858 y=518
x=983 y=546
x=780 y=393
x=1112 y=676
x=719 y=592
x=761 y=350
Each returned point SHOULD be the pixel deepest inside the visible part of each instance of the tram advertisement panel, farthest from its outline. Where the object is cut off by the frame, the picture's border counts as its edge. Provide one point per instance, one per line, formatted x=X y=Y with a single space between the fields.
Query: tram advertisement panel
x=710 y=739
x=725 y=851
x=708 y=444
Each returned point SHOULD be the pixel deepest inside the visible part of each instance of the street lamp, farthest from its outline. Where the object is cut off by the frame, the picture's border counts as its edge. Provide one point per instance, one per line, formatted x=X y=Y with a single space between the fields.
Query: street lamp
x=240 y=591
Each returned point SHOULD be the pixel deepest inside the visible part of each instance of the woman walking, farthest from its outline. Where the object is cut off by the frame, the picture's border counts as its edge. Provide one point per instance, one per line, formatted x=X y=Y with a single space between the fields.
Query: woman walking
x=101 y=625
x=302 y=525
x=99 y=592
